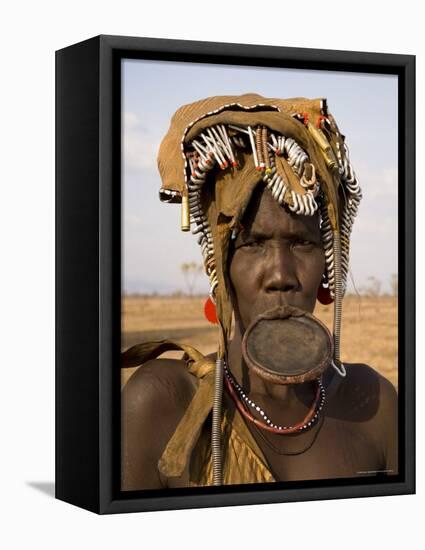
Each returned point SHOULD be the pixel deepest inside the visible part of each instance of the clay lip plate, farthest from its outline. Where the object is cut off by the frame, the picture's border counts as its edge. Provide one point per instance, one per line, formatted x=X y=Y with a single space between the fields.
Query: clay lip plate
x=287 y=345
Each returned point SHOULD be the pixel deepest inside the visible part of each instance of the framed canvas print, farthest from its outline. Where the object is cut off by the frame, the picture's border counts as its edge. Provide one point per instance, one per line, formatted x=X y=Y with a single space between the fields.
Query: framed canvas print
x=235 y=274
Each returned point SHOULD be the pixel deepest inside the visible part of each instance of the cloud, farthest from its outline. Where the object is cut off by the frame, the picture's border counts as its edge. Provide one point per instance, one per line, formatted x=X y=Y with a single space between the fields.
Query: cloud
x=131 y=221
x=373 y=227
x=131 y=122
x=140 y=148
x=378 y=184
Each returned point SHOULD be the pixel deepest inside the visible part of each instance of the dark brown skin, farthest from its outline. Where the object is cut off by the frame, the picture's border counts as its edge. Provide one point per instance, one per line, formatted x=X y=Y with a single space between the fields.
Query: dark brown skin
x=277 y=259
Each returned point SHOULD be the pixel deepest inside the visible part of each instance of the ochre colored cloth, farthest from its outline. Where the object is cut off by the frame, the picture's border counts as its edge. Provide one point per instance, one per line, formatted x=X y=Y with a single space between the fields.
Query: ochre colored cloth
x=190 y=445
x=243 y=461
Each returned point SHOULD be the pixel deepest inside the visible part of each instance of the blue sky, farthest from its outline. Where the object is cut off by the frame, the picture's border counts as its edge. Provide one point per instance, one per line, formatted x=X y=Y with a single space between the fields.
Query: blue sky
x=364 y=106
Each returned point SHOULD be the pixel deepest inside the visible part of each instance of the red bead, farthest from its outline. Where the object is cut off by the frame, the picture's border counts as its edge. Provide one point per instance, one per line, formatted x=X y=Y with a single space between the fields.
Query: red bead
x=210 y=311
x=324 y=296
x=319 y=121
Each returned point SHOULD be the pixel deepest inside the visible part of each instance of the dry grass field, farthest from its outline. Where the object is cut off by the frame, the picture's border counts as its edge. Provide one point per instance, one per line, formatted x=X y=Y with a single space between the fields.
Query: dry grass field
x=369 y=327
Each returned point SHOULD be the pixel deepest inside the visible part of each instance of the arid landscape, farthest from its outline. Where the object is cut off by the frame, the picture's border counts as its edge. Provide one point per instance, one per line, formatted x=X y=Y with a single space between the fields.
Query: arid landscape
x=369 y=328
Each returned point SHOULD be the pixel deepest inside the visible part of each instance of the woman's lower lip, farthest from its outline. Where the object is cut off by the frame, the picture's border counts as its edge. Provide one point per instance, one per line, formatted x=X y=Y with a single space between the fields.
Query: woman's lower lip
x=278 y=303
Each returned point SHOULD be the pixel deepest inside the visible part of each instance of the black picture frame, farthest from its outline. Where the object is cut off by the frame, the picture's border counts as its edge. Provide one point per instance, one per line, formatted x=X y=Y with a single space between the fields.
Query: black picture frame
x=88 y=265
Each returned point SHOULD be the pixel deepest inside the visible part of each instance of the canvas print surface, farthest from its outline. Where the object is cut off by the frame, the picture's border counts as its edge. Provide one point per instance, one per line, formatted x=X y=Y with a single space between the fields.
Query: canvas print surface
x=259 y=320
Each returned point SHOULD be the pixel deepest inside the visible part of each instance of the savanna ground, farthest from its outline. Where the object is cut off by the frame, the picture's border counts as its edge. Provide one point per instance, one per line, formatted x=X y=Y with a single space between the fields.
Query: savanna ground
x=369 y=327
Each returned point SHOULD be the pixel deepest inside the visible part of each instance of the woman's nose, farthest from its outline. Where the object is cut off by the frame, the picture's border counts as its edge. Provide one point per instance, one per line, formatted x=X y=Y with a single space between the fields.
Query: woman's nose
x=280 y=268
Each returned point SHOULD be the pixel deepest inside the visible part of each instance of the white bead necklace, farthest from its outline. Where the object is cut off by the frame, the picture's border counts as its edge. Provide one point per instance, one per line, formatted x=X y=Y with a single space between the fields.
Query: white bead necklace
x=256 y=407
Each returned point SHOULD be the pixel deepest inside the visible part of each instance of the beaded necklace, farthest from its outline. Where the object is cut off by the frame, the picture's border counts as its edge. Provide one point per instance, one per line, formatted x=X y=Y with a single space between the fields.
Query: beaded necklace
x=240 y=399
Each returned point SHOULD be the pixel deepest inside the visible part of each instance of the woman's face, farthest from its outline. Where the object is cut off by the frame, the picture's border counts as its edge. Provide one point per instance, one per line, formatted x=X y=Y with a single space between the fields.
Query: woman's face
x=276 y=259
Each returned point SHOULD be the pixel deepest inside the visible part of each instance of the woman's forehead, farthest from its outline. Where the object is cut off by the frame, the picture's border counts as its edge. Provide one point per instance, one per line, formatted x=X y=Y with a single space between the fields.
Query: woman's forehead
x=265 y=215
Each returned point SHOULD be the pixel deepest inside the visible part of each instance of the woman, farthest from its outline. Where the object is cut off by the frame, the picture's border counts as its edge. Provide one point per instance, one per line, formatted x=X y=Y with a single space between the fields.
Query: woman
x=267 y=186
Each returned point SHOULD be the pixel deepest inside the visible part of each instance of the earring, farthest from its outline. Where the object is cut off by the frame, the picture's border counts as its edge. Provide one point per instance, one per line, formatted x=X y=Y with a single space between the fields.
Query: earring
x=210 y=311
x=324 y=293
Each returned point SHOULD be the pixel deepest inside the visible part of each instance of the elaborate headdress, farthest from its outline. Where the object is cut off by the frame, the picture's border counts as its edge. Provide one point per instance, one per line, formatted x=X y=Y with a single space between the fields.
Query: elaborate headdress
x=295 y=148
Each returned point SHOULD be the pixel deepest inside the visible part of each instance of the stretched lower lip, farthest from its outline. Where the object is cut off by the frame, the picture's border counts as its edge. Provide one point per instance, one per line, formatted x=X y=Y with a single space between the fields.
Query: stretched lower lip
x=277 y=304
x=281 y=311
x=287 y=345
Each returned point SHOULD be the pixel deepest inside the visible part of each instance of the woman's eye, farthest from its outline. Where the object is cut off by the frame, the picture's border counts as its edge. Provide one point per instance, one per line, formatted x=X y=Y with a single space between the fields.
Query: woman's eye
x=303 y=242
x=253 y=244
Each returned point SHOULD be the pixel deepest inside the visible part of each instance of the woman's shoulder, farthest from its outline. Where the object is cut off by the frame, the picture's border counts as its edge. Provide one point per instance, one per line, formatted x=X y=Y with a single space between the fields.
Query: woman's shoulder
x=368 y=378
x=161 y=378
x=364 y=393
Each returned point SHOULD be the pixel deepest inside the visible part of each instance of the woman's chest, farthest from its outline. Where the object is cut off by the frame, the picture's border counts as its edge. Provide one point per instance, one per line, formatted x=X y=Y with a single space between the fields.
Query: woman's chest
x=330 y=450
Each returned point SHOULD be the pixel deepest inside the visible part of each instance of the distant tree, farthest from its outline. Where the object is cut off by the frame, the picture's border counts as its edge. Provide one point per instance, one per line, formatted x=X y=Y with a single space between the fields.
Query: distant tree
x=373 y=288
x=190 y=271
x=394 y=285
